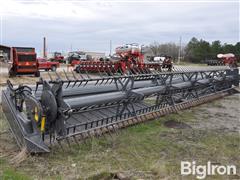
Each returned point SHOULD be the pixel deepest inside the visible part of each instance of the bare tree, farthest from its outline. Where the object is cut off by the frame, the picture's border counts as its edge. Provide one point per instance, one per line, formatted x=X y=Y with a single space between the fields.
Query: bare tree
x=154 y=47
x=170 y=49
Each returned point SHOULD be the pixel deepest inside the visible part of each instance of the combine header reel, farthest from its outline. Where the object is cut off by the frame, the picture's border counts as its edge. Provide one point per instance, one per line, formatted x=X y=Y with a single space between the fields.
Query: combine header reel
x=56 y=111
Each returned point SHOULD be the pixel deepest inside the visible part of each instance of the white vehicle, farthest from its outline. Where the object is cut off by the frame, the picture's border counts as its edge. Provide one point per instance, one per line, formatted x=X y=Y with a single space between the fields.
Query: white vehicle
x=159 y=59
x=78 y=55
x=228 y=55
x=133 y=48
x=3 y=56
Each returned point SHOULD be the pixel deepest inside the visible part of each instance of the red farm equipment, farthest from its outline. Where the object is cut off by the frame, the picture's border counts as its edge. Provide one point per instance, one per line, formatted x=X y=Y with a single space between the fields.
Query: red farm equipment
x=57 y=57
x=23 y=61
x=76 y=57
x=228 y=59
x=130 y=59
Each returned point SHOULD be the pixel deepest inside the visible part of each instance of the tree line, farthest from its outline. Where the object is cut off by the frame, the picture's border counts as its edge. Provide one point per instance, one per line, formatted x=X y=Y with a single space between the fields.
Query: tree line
x=195 y=51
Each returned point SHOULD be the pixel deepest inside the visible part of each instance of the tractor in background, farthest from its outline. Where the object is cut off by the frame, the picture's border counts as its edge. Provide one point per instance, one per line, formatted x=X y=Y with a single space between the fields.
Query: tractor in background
x=75 y=57
x=57 y=57
x=131 y=57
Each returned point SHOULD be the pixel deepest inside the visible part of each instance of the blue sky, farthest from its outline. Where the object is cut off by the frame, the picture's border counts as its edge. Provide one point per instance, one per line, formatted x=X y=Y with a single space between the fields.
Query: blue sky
x=90 y=25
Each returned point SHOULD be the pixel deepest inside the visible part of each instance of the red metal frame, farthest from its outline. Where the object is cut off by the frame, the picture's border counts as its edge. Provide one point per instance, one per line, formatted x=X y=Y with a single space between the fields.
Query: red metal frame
x=131 y=58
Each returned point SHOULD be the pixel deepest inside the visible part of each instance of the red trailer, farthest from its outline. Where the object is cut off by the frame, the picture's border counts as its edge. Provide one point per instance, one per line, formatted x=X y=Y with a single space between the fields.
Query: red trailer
x=23 y=61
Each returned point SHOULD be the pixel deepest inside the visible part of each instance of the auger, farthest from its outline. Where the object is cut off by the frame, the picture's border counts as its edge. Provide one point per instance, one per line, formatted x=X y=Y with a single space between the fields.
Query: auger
x=73 y=108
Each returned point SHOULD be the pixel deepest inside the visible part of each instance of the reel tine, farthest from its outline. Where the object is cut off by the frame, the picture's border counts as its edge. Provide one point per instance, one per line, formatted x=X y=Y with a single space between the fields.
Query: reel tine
x=82 y=79
x=73 y=75
x=100 y=74
x=85 y=83
x=102 y=81
x=75 y=79
x=80 y=83
x=96 y=82
x=81 y=76
x=58 y=75
x=107 y=81
x=50 y=76
x=65 y=74
x=69 y=81
x=88 y=76
x=111 y=81
x=37 y=84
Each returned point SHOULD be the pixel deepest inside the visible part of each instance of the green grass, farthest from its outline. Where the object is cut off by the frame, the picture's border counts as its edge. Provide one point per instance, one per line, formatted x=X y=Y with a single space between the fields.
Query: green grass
x=11 y=174
x=185 y=63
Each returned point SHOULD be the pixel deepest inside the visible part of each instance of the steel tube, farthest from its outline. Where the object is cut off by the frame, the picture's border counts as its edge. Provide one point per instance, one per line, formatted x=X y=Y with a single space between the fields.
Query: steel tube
x=104 y=98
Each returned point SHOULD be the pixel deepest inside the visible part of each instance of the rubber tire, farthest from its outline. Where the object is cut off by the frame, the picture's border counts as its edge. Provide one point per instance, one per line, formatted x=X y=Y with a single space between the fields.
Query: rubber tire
x=37 y=74
x=77 y=69
x=53 y=68
x=11 y=73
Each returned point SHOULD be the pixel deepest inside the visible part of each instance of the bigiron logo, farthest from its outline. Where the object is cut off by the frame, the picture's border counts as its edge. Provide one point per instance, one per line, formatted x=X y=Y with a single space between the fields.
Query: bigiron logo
x=201 y=171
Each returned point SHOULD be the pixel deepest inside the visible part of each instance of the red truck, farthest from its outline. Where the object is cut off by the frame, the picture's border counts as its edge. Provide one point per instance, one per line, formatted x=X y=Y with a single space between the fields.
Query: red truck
x=23 y=61
x=47 y=65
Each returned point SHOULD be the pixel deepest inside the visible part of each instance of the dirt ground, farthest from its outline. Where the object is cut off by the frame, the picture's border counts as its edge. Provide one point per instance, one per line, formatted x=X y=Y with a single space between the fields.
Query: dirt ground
x=30 y=79
x=147 y=151
x=221 y=115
